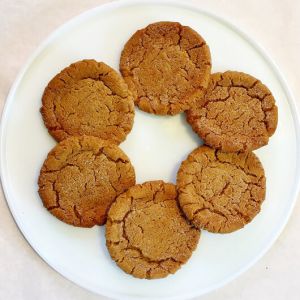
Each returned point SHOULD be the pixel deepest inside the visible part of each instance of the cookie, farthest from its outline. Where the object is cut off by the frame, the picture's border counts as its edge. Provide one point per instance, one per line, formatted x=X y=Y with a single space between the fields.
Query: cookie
x=220 y=192
x=166 y=66
x=88 y=98
x=146 y=233
x=238 y=113
x=81 y=177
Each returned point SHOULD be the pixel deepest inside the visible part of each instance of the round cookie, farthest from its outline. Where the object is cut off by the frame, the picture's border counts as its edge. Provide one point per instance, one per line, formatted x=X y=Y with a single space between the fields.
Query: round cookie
x=81 y=177
x=88 y=98
x=220 y=192
x=146 y=233
x=238 y=113
x=166 y=66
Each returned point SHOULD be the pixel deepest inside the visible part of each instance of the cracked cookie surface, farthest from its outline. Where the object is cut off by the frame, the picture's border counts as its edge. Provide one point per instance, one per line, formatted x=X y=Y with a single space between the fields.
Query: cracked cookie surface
x=146 y=233
x=88 y=98
x=238 y=113
x=220 y=192
x=81 y=177
x=166 y=66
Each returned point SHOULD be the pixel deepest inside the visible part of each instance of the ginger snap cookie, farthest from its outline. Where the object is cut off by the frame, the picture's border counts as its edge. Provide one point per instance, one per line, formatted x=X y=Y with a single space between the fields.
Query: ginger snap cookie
x=220 y=192
x=146 y=233
x=81 y=177
x=238 y=113
x=166 y=66
x=88 y=98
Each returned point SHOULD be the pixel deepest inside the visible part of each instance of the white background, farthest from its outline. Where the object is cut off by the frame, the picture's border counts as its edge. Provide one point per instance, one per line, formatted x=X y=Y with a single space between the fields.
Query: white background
x=25 y=23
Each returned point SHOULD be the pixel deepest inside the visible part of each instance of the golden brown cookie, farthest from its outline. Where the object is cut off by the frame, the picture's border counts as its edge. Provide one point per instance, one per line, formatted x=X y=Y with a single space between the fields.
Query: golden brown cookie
x=166 y=66
x=81 y=177
x=88 y=98
x=238 y=113
x=146 y=233
x=220 y=192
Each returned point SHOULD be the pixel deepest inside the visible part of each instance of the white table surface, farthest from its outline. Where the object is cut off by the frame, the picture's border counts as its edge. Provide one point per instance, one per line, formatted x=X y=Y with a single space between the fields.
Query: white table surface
x=25 y=23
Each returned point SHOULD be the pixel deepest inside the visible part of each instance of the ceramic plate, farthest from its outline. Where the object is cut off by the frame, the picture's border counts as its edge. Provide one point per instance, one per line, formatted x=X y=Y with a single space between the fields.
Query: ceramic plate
x=156 y=146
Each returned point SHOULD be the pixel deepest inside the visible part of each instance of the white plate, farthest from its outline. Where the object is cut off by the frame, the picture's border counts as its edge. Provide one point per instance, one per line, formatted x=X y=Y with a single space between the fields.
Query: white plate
x=156 y=147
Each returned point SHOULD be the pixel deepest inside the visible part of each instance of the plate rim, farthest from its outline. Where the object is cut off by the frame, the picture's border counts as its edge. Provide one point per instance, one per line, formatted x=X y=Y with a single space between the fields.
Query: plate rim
x=110 y=6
